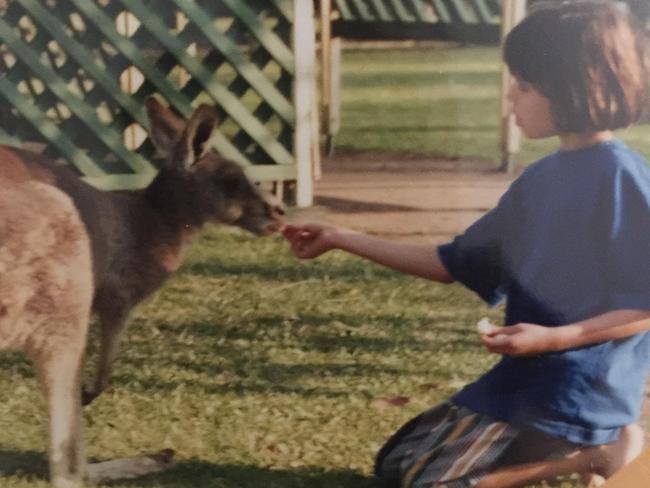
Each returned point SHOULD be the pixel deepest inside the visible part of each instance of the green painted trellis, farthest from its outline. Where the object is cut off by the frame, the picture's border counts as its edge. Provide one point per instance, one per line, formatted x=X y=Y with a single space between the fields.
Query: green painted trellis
x=74 y=74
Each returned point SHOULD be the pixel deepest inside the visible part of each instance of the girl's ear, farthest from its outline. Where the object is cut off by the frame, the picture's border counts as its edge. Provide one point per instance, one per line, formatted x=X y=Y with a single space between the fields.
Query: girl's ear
x=195 y=141
x=166 y=128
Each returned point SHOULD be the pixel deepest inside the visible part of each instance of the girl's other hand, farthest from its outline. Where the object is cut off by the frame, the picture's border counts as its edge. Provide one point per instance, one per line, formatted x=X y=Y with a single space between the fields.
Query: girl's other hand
x=521 y=340
x=309 y=240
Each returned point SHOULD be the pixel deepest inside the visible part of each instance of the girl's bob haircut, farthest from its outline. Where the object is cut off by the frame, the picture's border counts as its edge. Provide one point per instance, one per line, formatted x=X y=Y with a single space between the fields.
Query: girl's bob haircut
x=587 y=57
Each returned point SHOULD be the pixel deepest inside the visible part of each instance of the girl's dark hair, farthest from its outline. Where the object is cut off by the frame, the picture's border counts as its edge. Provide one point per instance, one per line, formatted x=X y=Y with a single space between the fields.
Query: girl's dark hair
x=587 y=57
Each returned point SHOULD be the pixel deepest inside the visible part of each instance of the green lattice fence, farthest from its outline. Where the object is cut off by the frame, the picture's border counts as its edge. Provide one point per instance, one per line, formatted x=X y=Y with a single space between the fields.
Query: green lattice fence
x=75 y=72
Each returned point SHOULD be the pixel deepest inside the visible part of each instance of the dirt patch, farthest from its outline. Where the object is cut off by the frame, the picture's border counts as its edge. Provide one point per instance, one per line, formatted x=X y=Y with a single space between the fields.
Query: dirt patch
x=418 y=200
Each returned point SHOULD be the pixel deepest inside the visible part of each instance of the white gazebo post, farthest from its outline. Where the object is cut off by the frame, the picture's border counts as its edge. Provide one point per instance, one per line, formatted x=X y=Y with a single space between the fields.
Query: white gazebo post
x=304 y=42
x=330 y=64
x=513 y=11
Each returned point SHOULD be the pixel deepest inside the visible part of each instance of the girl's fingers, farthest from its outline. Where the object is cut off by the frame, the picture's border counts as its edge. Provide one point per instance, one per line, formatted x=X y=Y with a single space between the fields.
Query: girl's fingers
x=492 y=341
x=295 y=236
x=497 y=331
x=289 y=232
x=500 y=343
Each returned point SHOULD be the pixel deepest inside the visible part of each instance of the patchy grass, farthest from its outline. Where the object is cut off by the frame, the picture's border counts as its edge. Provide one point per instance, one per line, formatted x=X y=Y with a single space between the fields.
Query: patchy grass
x=432 y=102
x=260 y=370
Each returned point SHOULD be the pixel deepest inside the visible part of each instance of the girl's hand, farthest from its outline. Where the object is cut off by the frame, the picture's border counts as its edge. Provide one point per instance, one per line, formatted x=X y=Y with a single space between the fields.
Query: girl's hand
x=309 y=240
x=521 y=340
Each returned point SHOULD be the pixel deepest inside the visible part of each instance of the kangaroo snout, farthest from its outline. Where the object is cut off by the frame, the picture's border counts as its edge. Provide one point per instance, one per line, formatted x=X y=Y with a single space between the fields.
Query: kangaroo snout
x=271 y=221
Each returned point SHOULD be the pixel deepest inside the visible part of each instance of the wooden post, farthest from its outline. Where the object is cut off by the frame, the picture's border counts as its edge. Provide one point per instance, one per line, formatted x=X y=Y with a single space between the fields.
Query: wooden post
x=513 y=11
x=304 y=42
x=330 y=76
x=326 y=71
x=315 y=139
x=325 y=39
x=334 y=112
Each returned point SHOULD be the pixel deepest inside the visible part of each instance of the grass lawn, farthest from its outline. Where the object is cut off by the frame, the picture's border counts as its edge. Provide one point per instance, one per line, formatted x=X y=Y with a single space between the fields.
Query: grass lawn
x=432 y=102
x=263 y=371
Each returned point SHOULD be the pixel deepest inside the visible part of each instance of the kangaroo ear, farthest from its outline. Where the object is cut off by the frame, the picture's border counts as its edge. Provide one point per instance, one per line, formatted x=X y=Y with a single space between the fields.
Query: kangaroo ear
x=195 y=142
x=166 y=128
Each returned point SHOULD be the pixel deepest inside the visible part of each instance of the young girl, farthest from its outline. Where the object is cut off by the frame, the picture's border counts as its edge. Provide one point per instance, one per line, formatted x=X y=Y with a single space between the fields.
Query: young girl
x=567 y=247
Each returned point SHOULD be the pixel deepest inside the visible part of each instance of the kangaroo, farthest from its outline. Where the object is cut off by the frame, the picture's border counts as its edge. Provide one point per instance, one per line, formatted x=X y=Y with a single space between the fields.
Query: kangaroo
x=46 y=291
x=138 y=237
x=45 y=299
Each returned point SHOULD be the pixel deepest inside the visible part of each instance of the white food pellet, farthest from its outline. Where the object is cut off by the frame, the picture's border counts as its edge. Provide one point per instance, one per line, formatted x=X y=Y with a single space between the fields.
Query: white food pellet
x=484 y=326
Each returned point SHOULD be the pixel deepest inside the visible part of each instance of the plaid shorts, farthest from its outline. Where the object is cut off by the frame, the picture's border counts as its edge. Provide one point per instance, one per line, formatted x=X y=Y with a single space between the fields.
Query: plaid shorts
x=453 y=447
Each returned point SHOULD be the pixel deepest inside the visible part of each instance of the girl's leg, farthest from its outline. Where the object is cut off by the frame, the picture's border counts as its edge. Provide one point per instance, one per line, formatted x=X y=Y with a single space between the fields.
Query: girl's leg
x=455 y=447
x=598 y=462
x=414 y=433
x=441 y=447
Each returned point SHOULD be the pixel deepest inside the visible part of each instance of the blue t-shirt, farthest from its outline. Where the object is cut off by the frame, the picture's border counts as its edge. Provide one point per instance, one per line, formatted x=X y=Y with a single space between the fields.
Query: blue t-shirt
x=569 y=240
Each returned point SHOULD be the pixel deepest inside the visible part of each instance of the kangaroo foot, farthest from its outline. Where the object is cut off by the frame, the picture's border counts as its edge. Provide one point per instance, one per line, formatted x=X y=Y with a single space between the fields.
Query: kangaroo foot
x=131 y=467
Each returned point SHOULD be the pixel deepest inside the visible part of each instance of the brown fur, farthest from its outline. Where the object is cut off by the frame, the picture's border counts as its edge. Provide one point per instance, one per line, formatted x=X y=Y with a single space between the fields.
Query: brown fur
x=138 y=238
x=45 y=298
x=49 y=278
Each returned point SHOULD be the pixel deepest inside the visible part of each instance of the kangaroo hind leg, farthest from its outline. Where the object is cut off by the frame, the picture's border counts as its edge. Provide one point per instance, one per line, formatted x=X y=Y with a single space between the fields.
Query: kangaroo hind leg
x=55 y=322
x=59 y=374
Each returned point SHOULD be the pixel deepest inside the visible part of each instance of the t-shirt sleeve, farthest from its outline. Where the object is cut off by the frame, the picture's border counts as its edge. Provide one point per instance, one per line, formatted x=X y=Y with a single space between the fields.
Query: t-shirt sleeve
x=474 y=258
x=627 y=225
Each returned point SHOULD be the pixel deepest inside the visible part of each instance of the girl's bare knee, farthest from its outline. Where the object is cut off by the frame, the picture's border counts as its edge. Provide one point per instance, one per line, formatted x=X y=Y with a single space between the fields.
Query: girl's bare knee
x=609 y=458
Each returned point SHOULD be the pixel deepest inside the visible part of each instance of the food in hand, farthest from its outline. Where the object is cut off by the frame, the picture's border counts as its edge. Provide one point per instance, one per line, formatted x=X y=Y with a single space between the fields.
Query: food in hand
x=484 y=326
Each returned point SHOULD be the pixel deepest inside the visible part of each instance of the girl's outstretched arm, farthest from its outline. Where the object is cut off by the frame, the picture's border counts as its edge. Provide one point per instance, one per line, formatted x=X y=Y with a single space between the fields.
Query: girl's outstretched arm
x=311 y=240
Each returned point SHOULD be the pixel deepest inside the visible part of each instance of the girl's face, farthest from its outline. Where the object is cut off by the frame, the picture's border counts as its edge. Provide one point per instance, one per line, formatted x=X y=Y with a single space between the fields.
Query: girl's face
x=532 y=110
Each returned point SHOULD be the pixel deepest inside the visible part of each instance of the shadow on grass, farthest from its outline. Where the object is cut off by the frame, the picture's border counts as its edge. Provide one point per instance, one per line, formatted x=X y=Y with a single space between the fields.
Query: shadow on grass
x=321 y=323
x=424 y=78
x=254 y=376
x=351 y=206
x=206 y=475
x=352 y=344
x=246 y=386
x=15 y=364
x=33 y=465
x=426 y=128
x=22 y=463
x=313 y=332
x=344 y=205
x=350 y=272
x=250 y=370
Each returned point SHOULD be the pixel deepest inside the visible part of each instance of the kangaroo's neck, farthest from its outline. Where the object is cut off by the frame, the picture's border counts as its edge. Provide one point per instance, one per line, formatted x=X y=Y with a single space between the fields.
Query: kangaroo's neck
x=144 y=241
x=171 y=221
x=170 y=200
